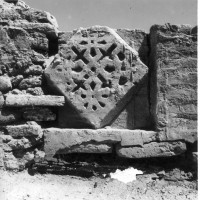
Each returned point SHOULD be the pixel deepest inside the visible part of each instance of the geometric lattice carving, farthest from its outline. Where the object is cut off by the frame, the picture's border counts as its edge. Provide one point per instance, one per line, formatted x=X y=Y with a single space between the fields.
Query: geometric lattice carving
x=95 y=69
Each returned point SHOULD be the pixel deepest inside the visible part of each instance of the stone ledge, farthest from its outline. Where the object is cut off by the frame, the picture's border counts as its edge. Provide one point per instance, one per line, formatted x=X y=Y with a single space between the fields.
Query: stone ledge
x=64 y=141
x=29 y=100
x=153 y=149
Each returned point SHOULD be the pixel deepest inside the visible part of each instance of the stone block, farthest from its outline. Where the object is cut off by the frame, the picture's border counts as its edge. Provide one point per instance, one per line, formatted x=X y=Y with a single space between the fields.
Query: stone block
x=195 y=157
x=39 y=114
x=34 y=70
x=1 y=157
x=39 y=156
x=2 y=101
x=16 y=80
x=8 y=116
x=30 y=129
x=5 y=84
x=37 y=91
x=153 y=149
x=10 y=162
x=29 y=100
x=35 y=81
x=10 y=144
x=173 y=86
x=97 y=72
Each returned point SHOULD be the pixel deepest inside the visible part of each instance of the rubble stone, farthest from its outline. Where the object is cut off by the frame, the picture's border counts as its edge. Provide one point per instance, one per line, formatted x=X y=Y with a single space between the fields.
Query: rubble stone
x=9 y=116
x=32 y=82
x=10 y=162
x=34 y=70
x=16 y=80
x=5 y=84
x=39 y=156
x=37 y=91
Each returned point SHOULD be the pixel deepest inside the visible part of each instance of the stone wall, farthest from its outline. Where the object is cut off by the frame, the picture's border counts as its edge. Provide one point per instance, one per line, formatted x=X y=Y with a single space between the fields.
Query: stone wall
x=93 y=90
x=173 y=61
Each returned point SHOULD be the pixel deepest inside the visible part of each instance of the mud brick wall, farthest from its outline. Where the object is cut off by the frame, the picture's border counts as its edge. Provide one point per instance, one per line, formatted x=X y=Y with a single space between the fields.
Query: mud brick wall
x=93 y=90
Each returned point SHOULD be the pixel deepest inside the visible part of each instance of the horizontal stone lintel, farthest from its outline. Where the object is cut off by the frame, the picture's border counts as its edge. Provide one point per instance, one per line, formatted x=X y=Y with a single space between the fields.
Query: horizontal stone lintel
x=65 y=141
x=29 y=100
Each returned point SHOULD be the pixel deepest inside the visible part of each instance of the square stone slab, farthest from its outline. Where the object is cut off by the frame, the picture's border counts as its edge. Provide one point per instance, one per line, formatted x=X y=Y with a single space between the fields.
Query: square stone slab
x=97 y=72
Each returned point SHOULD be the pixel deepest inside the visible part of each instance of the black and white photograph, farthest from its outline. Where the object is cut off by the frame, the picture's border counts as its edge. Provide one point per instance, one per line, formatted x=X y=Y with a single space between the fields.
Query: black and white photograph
x=98 y=99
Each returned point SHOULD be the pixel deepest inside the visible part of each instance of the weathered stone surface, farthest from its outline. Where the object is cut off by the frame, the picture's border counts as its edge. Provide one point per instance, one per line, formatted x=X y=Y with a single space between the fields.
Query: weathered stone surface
x=188 y=136
x=5 y=84
x=26 y=38
x=37 y=91
x=135 y=143
x=17 y=92
x=31 y=82
x=24 y=14
x=195 y=157
x=10 y=162
x=153 y=149
x=9 y=143
x=87 y=148
x=136 y=114
x=1 y=158
x=97 y=72
x=39 y=156
x=34 y=70
x=29 y=100
x=39 y=114
x=17 y=52
x=69 y=139
x=18 y=161
x=16 y=80
x=138 y=40
x=8 y=116
x=174 y=80
x=25 y=130
x=2 y=101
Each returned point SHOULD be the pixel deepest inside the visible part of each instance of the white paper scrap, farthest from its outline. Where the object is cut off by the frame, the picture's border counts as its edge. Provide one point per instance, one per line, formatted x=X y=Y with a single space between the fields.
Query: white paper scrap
x=126 y=176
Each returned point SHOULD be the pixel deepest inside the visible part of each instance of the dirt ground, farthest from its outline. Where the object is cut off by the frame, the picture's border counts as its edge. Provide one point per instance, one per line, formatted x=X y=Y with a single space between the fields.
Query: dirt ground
x=22 y=186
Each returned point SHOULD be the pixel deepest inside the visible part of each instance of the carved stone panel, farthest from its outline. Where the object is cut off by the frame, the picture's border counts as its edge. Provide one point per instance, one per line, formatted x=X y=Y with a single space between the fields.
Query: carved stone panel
x=97 y=72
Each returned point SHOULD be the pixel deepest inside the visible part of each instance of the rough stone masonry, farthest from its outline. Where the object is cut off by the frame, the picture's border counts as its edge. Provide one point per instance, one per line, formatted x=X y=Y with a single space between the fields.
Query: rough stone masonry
x=93 y=90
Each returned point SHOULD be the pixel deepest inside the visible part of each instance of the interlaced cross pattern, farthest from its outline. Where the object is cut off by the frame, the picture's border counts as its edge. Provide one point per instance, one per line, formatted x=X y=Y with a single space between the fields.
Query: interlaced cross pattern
x=97 y=66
